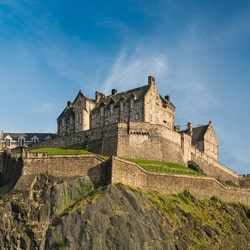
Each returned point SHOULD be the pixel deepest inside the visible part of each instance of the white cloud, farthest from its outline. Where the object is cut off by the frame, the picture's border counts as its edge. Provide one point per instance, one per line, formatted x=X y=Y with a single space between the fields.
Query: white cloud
x=130 y=70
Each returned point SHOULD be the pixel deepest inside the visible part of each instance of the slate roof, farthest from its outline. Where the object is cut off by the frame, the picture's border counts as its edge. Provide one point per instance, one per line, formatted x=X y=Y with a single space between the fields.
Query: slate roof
x=139 y=93
x=67 y=111
x=198 y=133
x=28 y=136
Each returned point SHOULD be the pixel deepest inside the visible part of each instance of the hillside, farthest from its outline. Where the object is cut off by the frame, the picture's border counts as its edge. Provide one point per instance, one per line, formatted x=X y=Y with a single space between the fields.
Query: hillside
x=72 y=214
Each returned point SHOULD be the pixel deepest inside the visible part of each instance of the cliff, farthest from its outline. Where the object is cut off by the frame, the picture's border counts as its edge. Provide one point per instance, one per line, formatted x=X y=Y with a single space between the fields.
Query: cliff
x=71 y=213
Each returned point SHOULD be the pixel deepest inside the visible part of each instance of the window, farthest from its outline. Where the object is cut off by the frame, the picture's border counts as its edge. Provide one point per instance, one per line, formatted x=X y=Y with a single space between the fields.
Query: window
x=157 y=107
x=21 y=141
x=63 y=122
x=106 y=122
x=121 y=106
x=126 y=118
x=34 y=139
x=7 y=142
x=116 y=120
x=97 y=125
x=71 y=120
x=80 y=118
x=102 y=111
x=48 y=137
x=132 y=103
x=150 y=105
x=137 y=116
x=111 y=108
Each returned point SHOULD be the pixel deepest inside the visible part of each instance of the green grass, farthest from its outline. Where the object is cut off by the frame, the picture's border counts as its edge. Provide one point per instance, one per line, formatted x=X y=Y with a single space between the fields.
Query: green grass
x=60 y=151
x=164 y=167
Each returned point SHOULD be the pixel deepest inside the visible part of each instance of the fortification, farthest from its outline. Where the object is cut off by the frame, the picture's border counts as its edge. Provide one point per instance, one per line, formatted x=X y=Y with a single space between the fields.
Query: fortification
x=114 y=170
x=137 y=123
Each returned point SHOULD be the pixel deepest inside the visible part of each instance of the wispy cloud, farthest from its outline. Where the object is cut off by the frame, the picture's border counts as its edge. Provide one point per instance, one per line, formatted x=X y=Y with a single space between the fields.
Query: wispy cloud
x=129 y=70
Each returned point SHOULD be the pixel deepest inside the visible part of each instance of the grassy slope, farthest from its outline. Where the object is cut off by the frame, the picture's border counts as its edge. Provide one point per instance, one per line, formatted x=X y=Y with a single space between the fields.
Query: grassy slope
x=164 y=167
x=201 y=224
x=60 y=151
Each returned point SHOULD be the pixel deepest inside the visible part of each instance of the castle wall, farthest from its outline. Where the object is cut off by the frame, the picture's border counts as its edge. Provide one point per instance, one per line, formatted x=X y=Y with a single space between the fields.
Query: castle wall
x=213 y=168
x=210 y=143
x=144 y=140
x=134 y=140
x=62 y=166
x=202 y=187
x=116 y=170
x=11 y=169
x=100 y=140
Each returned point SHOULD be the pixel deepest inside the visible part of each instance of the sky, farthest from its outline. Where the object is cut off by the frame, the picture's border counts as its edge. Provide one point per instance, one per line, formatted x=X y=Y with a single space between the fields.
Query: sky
x=197 y=50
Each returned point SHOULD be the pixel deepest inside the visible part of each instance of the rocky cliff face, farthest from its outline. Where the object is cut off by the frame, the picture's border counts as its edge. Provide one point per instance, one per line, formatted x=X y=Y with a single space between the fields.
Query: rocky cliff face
x=73 y=214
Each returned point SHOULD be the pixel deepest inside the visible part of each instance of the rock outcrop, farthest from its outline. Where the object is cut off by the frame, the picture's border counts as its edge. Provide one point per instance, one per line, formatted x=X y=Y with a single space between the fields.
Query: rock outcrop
x=74 y=214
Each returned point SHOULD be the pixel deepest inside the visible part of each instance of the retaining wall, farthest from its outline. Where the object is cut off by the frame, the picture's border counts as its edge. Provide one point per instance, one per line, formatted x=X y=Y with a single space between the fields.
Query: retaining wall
x=214 y=169
x=202 y=187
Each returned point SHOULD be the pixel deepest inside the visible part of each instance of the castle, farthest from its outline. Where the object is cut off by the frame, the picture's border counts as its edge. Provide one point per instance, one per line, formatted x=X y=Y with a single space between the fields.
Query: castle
x=142 y=109
x=137 y=123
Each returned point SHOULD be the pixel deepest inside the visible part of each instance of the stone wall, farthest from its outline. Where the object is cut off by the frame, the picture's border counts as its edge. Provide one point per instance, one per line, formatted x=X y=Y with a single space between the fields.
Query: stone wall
x=134 y=139
x=213 y=168
x=143 y=140
x=23 y=172
x=202 y=187
x=100 y=140
x=63 y=166
x=11 y=169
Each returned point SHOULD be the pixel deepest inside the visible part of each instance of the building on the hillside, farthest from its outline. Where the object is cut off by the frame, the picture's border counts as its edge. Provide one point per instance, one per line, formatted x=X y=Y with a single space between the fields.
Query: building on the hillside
x=143 y=104
x=204 y=139
x=76 y=116
x=144 y=110
x=13 y=140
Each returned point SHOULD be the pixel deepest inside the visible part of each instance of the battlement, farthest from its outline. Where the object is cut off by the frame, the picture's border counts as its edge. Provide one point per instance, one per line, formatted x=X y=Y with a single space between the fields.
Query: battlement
x=114 y=170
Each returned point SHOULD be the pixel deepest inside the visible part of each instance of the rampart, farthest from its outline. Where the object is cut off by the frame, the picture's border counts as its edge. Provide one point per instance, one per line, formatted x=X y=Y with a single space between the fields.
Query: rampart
x=213 y=168
x=143 y=140
x=134 y=139
x=23 y=171
x=202 y=187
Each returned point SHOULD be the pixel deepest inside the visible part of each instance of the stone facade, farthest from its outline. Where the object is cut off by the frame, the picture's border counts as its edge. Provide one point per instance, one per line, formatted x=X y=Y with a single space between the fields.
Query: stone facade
x=76 y=116
x=204 y=139
x=143 y=104
x=144 y=121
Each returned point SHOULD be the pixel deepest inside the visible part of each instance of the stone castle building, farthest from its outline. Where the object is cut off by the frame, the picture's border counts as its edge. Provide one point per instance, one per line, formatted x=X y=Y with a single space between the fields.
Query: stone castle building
x=139 y=108
x=143 y=104
x=137 y=123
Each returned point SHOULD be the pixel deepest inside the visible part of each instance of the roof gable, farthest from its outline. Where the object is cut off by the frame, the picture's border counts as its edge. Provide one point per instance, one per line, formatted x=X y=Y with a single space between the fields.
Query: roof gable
x=198 y=133
x=137 y=93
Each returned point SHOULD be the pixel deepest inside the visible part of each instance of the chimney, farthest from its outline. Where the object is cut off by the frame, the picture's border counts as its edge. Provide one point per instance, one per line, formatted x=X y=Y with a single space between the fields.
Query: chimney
x=98 y=96
x=113 y=91
x=177 y=128
x=167 y=98
x=69 y=104
x=151 y=80
x=189 y=128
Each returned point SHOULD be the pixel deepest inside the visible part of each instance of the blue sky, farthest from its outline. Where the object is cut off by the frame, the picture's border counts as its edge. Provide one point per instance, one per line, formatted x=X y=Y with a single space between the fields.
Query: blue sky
x=198 y=51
